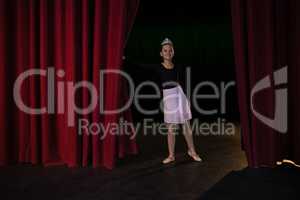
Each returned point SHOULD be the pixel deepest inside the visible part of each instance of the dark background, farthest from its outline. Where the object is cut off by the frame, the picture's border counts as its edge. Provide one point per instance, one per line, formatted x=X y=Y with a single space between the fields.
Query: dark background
x=202 y=36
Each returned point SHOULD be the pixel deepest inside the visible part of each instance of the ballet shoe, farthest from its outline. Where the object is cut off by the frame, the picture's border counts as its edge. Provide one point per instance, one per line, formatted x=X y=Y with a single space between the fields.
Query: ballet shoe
x=168 y=160
x=195 y=157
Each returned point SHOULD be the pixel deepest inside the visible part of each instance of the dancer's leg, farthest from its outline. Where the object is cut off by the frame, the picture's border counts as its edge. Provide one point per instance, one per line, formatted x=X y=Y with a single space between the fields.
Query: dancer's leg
x=188 y=135
x=171 y=144
x=171 y=139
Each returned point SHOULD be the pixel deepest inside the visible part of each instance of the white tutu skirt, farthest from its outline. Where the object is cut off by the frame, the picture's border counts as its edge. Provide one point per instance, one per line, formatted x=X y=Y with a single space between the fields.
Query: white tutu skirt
x=176 y=106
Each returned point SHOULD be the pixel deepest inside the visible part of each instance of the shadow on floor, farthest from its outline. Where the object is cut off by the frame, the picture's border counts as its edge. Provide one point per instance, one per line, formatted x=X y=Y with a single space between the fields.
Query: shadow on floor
x=281 y=182
x=135 y=177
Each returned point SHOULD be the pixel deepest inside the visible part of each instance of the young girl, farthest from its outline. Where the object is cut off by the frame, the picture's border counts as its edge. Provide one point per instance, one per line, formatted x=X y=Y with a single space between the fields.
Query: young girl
x=176 y=105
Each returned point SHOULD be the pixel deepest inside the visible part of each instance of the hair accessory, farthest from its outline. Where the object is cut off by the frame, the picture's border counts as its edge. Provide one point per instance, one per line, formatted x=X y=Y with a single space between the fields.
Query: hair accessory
x=166 y=41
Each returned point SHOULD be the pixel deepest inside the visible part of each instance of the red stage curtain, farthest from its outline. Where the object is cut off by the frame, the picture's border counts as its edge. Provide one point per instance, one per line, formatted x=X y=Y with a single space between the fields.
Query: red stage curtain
x=80 y=37
x=266 y=39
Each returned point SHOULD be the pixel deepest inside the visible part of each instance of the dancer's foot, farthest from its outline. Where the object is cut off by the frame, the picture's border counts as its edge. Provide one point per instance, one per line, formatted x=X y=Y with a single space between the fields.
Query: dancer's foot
x=195 y=156
x=168 y=160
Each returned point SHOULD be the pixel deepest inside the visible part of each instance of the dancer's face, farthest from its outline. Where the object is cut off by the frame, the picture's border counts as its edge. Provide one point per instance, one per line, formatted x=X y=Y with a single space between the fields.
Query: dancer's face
x=167 y=52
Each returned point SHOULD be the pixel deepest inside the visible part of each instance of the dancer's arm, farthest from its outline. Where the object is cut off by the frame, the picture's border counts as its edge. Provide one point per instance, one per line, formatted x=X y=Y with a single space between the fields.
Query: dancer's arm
x=183 y=77
x=150 y=71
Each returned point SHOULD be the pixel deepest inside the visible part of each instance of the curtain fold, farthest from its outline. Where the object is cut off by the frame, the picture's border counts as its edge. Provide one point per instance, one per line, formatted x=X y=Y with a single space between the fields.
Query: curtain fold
x=265 y=42
x=70 y=41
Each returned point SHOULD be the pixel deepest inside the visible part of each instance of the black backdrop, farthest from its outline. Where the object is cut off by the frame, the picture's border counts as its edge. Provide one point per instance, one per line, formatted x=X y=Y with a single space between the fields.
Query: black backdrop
x=202 y=35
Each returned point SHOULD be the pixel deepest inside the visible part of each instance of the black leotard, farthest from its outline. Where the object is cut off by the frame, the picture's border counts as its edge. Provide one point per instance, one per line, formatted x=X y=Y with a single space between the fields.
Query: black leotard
x=168 y=77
